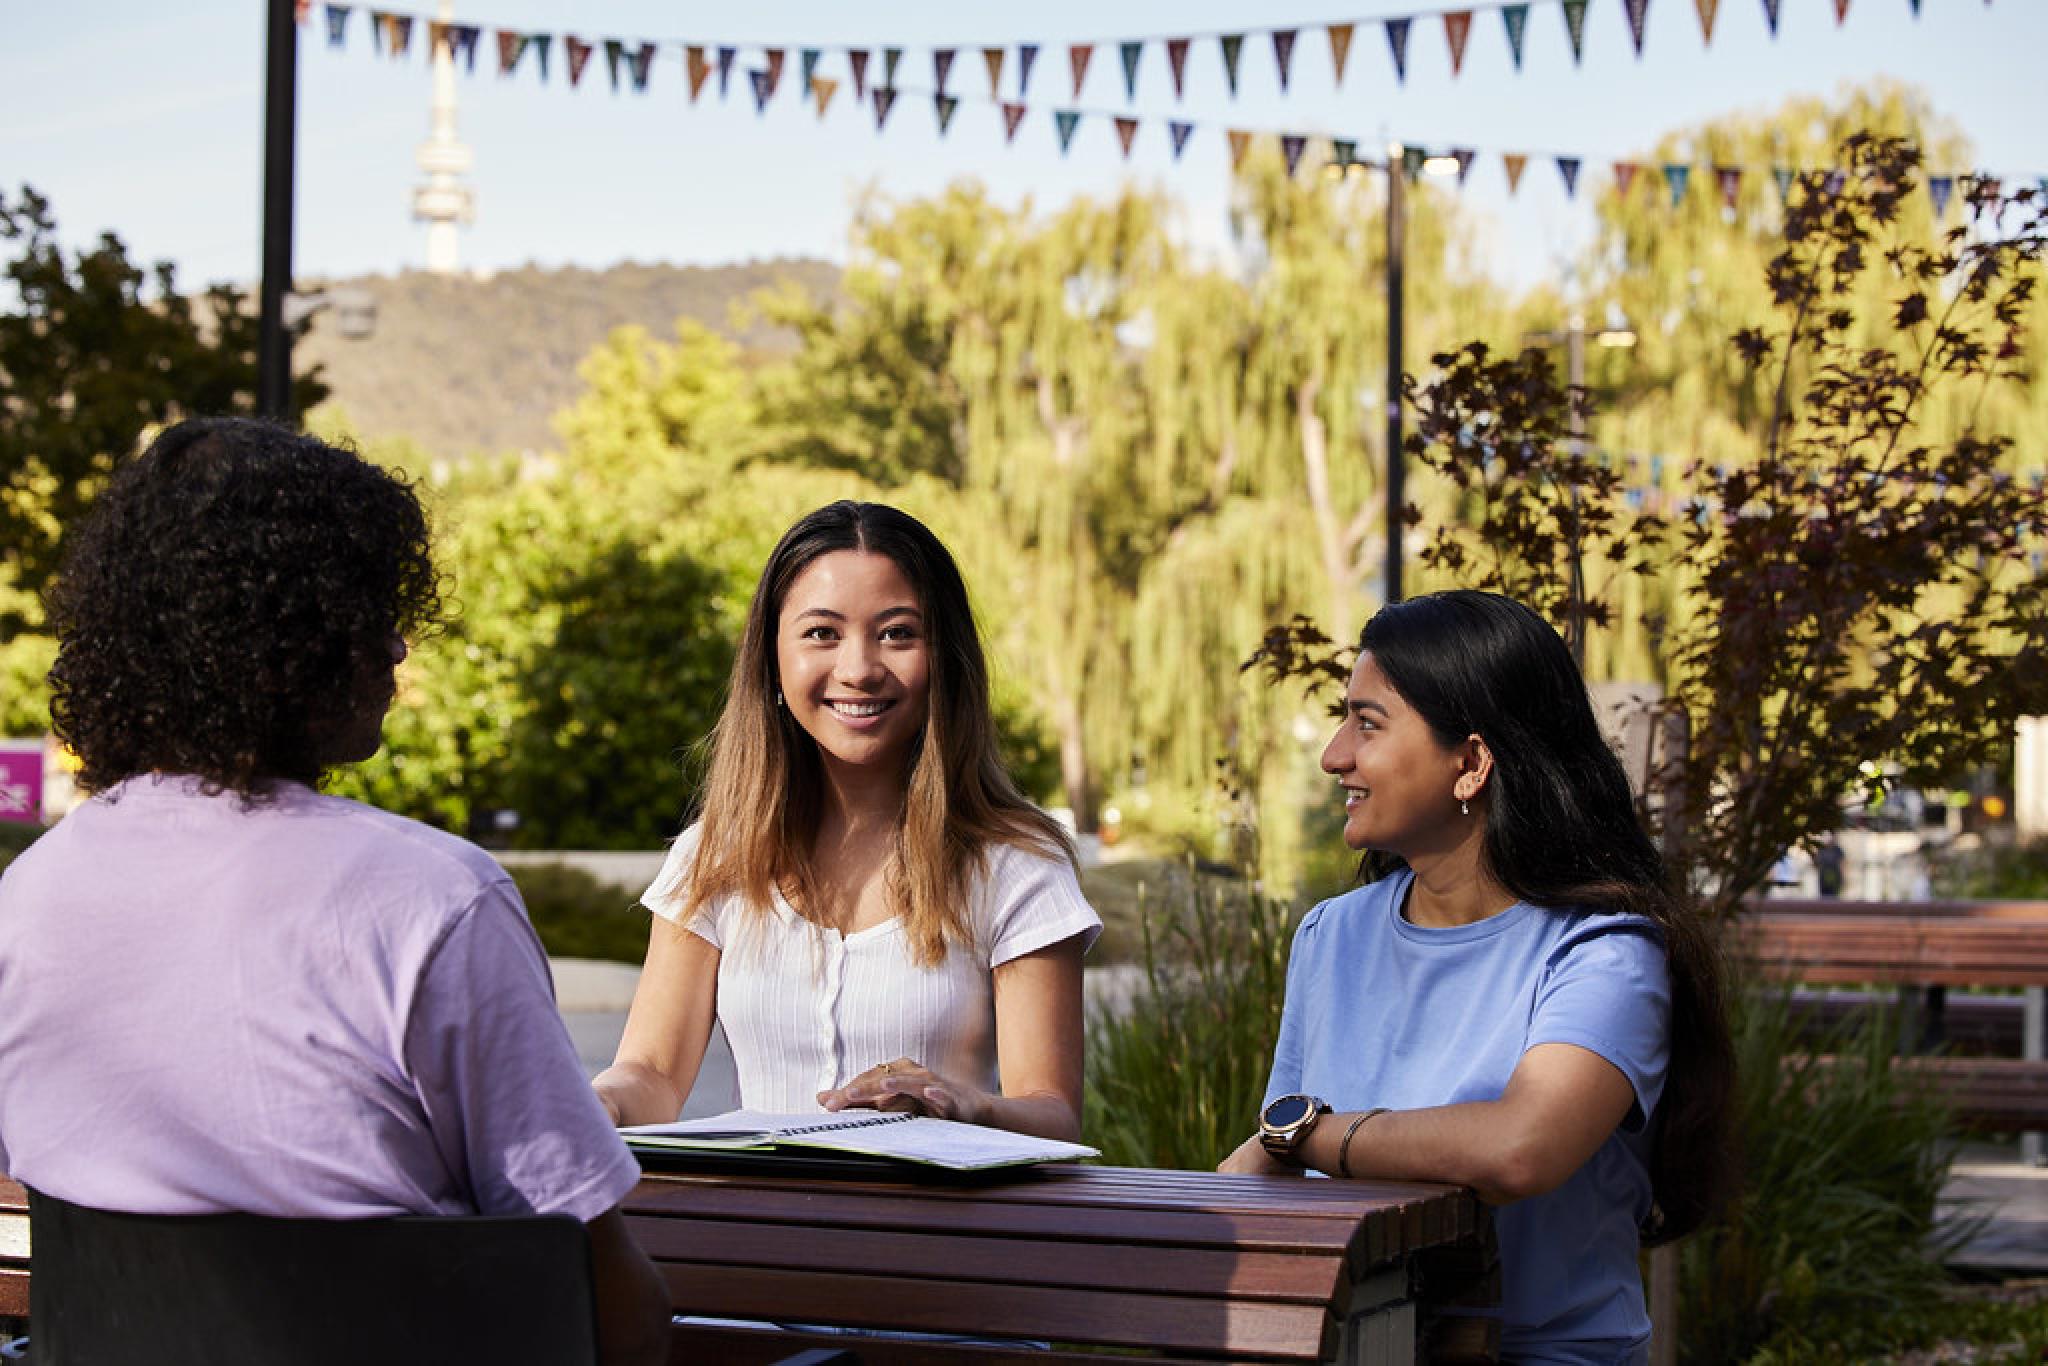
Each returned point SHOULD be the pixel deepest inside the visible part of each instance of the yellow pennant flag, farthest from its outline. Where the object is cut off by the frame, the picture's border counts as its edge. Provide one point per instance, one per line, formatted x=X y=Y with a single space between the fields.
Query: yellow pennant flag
x=993 y=57
x=1514 y=161
x=1340 y=48
x=1240 y=140
x=1707 y=8
x=823 y=88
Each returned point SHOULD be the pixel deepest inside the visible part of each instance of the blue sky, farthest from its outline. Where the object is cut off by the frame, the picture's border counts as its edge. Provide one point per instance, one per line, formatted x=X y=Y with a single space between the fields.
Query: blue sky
x=145 y=119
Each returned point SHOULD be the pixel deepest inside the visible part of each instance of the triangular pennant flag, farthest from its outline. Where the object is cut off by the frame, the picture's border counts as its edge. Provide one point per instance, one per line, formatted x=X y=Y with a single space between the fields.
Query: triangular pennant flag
x=1516 y=18
x=510 y=46
x=614 y=53
x=857 y=67
x=892 y=57
x=642 y=63
x=400 y=34
x=539 y=43
x=1027 y=53
x=1624 y=176
x=1575 y=27
x=1730 y=180
x=943 y=106
x=462 y=45
x=1464 y=156
x=726 y=57
x=1841 y=12
x=1126 y=132
x=1916 y=7
x=1130 y=53
x=699 y=67
x=1457 y=28
x=1240 y=142
x=1568 y=167
x=1707 y=9
x=1283 y=53
x=1077 y=58
x=337 y=25
x=1397 y=42
x=1177 y=62
x=1343 y=151
x=774 y=69
x=1783 y=176
x=1232 y=45
x=942 y=67
x=1292 y=145
x=1066 y=120
x=579 y=54
x=1340 y=48
x=763 y=85
x=1771 y=16
x=885 y=100
x=1013 y=114
x=811 y=57
x=823 y=88
x=438 y=38
x=1515 y=162
x=1411 y=161
x=1638 y=15
x=377 y=31
x=1178 y=130
x=1939 y=188
x=1676 y=177
x=992 y=58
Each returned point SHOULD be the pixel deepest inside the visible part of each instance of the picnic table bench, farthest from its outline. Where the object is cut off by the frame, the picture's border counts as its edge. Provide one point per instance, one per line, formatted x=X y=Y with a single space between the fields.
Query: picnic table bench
x=1924 y=947
x=1160 y=1265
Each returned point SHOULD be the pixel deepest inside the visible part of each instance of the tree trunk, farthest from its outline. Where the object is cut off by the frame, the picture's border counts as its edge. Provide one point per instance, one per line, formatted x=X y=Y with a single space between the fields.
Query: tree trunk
x=1074 y=777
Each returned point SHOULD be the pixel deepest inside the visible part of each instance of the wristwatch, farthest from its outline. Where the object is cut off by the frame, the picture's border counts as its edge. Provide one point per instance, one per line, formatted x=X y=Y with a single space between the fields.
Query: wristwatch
x=1285 y=1123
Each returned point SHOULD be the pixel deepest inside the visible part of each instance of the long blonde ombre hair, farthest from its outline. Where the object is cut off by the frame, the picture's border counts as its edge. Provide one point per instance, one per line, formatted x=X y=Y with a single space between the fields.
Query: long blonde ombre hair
x=764 y=795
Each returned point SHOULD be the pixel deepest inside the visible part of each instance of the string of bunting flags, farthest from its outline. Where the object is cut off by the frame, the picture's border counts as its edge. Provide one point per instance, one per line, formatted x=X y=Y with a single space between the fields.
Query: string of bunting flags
x=630 y=64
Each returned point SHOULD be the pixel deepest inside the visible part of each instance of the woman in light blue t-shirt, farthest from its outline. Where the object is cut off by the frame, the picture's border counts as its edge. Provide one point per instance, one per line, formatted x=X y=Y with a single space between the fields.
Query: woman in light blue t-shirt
x=1515 y=1001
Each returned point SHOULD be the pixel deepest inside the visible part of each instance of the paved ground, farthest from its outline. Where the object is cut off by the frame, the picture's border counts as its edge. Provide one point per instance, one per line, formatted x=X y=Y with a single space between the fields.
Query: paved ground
x=1987 y=1179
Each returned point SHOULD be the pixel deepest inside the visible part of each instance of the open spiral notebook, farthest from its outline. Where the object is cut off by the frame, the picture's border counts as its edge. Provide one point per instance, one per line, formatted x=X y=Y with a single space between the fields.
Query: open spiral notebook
x=867 y=1133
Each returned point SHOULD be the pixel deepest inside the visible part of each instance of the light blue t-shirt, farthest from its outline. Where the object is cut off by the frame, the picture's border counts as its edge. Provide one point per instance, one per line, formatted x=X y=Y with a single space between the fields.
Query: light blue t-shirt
x=1383 y=1012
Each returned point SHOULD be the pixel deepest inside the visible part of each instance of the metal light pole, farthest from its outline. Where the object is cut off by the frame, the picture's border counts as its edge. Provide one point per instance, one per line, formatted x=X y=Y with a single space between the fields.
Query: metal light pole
x=280 y=127
x=1397 y=464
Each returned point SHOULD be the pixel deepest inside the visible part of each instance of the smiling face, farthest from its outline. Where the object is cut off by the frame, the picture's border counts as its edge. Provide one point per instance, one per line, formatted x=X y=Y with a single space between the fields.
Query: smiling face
x=1401 y=785
x=854 y=659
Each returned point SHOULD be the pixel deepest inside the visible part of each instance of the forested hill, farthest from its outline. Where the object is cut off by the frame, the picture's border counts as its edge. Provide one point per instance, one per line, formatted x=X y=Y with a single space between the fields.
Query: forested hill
x=462 y=364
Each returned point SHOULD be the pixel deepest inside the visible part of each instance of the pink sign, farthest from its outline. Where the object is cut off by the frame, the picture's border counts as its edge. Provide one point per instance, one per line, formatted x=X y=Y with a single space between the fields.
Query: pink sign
x=21 y=781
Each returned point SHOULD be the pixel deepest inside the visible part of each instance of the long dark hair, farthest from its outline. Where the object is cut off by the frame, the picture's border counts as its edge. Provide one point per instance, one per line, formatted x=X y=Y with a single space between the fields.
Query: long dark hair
x=764 y=795
x=1562 y=831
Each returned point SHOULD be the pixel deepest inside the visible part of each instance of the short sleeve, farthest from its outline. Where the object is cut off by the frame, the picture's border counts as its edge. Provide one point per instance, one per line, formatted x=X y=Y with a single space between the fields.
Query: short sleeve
x=1034 y=902
x=1608 y=991
x=664 y=895
x=505 y=1095
x=1285 y=1078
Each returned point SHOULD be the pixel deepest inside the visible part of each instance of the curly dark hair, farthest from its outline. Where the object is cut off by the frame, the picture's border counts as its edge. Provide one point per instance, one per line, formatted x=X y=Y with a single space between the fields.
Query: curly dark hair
x=228 y=607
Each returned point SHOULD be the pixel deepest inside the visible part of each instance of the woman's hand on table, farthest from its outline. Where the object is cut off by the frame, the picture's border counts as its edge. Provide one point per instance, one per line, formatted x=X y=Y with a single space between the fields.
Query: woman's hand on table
x=909 y=1087
x=1250 y=1158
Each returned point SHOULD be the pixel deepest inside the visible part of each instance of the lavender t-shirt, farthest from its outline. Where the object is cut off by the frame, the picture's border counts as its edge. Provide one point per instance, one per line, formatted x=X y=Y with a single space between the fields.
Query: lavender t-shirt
x=307 y=1007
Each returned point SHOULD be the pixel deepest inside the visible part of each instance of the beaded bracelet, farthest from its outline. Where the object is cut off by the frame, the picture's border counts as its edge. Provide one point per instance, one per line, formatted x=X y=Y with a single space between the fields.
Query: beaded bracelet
x=1344 y=1148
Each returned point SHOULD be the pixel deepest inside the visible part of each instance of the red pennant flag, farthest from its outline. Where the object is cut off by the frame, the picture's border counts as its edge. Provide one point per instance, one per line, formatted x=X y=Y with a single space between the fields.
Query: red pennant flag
x=1240 y=140
x=1457 y=28
x=700 y=70
x=992 y=58
x=1842 y=11
x=1731 y=183
x=1126 y=131
x=858 y=61
x=1013 y=116
x=1177 y=59
x=1283 y=53
x=1077 y=57
x=510 y=45
x=1340 y=48
x=1514 y=161
x=774 y=68
x=942 y=67
x=822 y=90
x=1624 y=176
x=579 y=54
x=1707 y=8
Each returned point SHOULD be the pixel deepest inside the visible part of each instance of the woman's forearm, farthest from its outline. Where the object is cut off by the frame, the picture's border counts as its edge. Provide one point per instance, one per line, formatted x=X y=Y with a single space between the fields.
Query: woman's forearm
x=634 y=1093
x=1042 y=1113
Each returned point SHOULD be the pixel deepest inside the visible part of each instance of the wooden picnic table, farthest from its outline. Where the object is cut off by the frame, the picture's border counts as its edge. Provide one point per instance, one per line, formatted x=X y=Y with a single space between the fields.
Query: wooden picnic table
x=1177 y=1265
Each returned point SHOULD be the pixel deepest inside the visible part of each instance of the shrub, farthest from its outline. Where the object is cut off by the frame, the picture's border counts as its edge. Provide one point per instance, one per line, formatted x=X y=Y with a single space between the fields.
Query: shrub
x=1175 y=1075
x=16 y=836
x=580 y=916
x=2008 y=873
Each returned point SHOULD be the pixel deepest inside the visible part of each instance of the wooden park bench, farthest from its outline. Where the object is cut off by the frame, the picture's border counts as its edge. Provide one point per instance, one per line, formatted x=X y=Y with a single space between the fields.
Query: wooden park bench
x=1921 y=945
x=1159 y=1266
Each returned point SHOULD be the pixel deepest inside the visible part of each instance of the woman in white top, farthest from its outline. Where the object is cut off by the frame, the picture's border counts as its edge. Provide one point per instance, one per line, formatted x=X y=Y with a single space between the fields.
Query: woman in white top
x=868 y=905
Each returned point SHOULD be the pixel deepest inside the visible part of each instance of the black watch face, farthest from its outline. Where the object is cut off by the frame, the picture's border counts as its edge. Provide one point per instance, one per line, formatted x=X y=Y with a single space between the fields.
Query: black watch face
x=1288 y=1111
